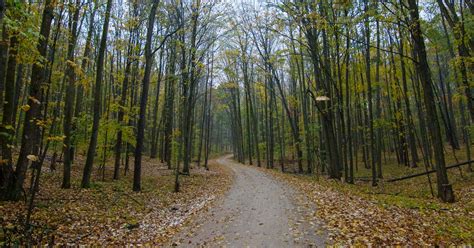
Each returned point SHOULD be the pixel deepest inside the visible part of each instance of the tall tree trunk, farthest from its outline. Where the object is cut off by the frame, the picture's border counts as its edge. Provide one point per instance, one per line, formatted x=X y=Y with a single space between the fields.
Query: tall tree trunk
x=191 y=88
x=209 y=115
x=450 y=125
x=68 y=108
x=86 y=177
x=85 y=63
x=411 y=126
x=168 y=107
x=445 y=191
x=121 y=114
x=4 y=44
x=154 y=133
x=143 y=99
x=369 y=96
x=30 y=139
x=8 y=121
x=203 y=119
x=378 y=106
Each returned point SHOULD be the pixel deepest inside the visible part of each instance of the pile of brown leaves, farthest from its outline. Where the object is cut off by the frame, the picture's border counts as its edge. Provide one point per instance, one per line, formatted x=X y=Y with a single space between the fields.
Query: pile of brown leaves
x=354 y=218
x=109 y=213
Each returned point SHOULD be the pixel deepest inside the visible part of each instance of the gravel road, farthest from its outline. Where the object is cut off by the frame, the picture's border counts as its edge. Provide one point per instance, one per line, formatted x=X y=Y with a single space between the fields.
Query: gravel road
x=258 y=211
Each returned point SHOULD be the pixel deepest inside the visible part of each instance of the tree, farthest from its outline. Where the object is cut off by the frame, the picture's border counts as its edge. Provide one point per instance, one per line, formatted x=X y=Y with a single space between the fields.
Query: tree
x=445 y=191
x=86 y=177
x=190 y=89
x=449 y=12
x=31 y=130
x=144 y=97
x=71 y=77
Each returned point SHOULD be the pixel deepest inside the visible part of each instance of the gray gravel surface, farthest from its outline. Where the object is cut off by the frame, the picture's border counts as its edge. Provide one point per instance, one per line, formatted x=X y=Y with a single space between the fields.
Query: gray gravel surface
x=258 y=211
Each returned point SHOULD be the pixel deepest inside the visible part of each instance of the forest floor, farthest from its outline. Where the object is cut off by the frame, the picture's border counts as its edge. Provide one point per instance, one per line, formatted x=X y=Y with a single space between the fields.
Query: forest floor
x=237 y=205
x=109 y=213
x=399 y=213
x=258 y=211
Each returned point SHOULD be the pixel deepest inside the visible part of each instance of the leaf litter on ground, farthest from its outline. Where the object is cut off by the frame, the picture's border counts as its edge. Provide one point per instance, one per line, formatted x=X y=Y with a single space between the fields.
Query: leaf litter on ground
x=352 y=217
x=110 y=213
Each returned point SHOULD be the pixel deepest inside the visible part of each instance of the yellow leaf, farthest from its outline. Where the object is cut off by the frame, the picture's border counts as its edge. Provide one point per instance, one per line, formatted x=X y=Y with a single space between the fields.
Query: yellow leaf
x=25 y=107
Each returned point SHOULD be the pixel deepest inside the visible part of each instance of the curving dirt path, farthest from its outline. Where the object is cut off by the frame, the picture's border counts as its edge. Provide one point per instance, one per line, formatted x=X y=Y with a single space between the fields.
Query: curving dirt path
x=258 y=211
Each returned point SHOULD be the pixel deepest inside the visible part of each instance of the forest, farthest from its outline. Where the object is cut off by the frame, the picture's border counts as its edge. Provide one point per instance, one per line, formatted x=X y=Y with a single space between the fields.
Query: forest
x=126 y=121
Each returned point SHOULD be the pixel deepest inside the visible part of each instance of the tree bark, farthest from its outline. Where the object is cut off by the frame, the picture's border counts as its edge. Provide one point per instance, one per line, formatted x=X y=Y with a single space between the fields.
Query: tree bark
x=86 y=177
x=31 y=131
x=68 y=108
x=444 y=188
x=143 y=99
